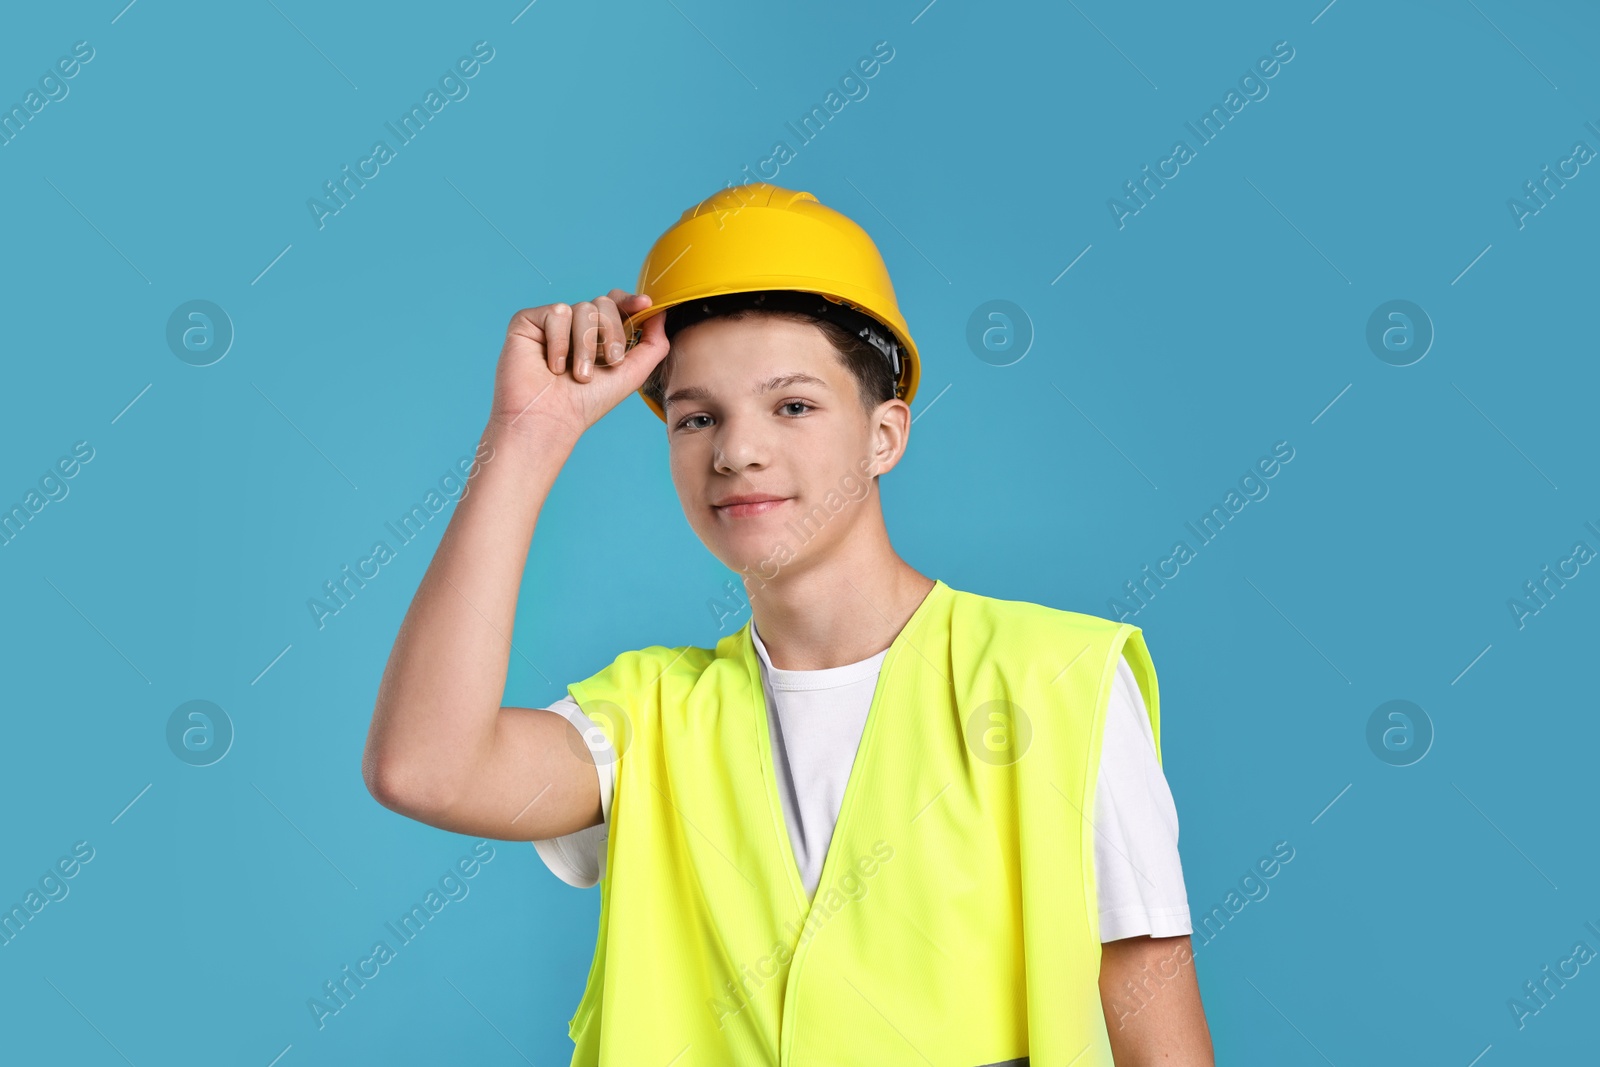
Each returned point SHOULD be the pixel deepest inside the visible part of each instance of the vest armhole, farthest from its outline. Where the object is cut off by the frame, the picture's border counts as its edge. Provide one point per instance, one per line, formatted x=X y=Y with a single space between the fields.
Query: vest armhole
x=1131 y=646
x=1126 y=641
x=614 y=722
x=614 y=697
x=594 y=984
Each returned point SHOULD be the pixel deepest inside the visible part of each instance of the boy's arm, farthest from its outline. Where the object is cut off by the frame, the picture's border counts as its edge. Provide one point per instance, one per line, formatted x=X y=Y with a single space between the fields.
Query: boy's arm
x=1152 y=1003
x=441 y=749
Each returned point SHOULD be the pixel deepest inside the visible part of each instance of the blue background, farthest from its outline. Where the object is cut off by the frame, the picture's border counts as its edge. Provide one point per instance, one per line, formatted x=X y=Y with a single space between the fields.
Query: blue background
x=1230 y=313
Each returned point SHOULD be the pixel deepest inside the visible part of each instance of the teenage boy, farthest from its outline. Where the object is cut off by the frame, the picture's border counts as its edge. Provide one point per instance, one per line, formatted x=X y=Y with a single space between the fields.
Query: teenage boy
x=885 y=821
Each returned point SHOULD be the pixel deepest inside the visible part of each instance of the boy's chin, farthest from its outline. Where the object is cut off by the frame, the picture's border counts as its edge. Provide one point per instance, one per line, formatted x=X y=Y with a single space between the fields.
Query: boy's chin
x=763 y=563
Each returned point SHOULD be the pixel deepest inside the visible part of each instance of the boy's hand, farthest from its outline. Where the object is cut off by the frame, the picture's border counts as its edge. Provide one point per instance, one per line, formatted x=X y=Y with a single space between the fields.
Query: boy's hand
x=564 y=366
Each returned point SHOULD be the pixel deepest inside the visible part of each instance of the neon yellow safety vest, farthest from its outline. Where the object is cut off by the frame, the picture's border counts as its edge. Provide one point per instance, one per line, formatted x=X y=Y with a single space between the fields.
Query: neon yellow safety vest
x=955 y=923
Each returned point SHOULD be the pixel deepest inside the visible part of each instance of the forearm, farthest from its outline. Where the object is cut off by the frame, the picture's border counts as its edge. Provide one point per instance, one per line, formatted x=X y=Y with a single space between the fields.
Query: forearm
x=441 y=690
x=1151 y=998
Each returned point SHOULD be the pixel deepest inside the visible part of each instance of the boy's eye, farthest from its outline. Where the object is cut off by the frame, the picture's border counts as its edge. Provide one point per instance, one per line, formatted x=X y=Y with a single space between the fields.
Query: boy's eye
x=787 y=407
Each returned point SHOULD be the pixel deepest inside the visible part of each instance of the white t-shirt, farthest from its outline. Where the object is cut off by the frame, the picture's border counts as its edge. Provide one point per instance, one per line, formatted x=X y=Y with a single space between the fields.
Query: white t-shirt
x=816 y=722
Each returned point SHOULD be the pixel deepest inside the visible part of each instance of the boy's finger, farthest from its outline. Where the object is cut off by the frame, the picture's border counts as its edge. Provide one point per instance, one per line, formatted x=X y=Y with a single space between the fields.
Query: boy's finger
x=611 y=334
x=557 y=326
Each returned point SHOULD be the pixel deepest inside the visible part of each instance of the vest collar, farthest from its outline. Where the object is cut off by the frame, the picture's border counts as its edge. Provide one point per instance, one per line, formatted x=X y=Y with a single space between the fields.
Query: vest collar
x=860 y=778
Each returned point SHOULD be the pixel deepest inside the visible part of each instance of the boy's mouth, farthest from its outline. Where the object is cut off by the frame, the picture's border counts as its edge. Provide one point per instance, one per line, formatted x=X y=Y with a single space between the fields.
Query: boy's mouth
x=748 y=504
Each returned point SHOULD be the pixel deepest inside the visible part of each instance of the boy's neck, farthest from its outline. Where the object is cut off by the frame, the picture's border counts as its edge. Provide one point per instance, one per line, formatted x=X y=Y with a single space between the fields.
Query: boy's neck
x=832 y=616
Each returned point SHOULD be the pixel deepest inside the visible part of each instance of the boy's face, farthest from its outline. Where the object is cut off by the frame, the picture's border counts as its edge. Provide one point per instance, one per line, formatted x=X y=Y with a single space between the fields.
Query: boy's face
x=739 y=423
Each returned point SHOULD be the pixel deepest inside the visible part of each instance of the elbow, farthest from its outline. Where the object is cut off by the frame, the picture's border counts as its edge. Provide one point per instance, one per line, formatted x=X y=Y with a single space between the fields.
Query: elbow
x=401 y=788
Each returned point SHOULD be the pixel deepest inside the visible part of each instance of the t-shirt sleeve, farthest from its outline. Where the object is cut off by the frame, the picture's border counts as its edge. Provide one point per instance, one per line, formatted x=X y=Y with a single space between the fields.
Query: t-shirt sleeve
x=578 y=858
x=1138 y=873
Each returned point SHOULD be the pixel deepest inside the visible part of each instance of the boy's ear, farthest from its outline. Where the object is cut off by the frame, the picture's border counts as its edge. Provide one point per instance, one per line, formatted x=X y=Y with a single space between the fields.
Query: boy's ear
x=891 y=435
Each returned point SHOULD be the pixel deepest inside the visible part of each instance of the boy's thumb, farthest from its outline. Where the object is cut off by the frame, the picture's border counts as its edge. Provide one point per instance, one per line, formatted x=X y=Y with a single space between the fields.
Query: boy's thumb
x=646 y=353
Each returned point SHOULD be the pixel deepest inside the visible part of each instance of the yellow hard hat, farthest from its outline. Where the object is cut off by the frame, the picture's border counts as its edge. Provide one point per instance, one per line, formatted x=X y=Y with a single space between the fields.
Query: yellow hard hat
x=759 y=237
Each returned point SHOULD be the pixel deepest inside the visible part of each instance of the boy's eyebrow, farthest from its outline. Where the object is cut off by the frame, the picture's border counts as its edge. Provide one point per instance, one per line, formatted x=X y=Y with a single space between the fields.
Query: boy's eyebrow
x=702 y=394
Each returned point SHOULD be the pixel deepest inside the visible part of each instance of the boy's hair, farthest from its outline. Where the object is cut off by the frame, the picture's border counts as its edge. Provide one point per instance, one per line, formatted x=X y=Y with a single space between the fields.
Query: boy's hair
x=875 y=379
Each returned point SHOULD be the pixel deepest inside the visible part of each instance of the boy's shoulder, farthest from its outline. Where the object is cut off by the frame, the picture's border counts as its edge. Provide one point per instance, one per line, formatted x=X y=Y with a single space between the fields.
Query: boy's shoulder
x=999 y=611
x=653 y=664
